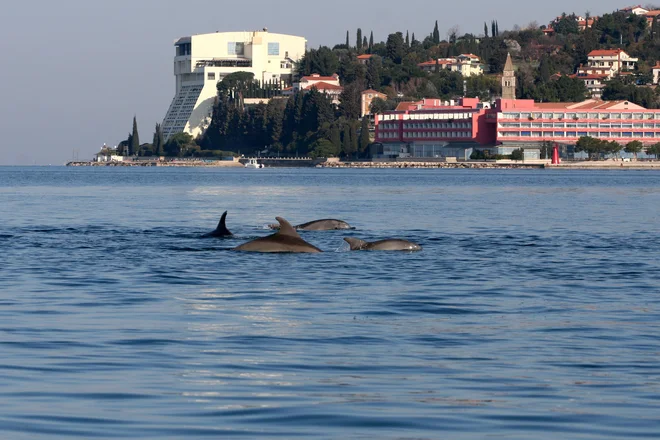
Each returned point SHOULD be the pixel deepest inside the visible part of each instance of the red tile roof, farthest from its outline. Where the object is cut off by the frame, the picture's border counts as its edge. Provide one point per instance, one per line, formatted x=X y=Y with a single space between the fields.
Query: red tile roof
x=364 y=57
x=317 y=77
x=606 y=53
x=326 y=86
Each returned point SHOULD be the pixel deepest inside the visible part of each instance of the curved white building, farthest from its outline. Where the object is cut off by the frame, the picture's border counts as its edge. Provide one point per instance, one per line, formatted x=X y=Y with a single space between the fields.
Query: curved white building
x=201 y=61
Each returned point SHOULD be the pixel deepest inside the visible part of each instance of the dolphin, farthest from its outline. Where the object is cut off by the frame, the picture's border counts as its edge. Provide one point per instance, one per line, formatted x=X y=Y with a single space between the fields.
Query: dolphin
x=221 y=230
x=326 y=224
x=284 y=240
x=392 y=244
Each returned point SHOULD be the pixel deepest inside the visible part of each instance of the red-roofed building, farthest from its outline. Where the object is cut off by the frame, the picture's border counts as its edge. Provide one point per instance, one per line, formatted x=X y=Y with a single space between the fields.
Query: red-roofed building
x=467 y=64
x=324 y=84
x=635 y=10
x=430 y=128
x=364 y=59
x=617 y=59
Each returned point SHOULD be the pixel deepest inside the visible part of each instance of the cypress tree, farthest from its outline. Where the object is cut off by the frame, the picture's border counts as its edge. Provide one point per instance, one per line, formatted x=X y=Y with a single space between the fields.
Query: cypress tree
x=346 y=141
x=497 y=29
x=158 y=141
x=371 y=41
x=407 y=40
x=364 y=134
x=365 y=43
x=358 y=39
x=436 y=33
x=348 y=45
x=412 y=40
x=135 y=139
x=335 y=137
x=354 y=137
x=492 y=29
x=485 y=30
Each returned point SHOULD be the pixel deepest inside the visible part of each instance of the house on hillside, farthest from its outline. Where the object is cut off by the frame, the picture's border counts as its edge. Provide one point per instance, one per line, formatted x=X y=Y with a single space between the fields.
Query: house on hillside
x=364 y=59
x=635 y=10
x=366 y=98
x=325 y=84
x=466 y=64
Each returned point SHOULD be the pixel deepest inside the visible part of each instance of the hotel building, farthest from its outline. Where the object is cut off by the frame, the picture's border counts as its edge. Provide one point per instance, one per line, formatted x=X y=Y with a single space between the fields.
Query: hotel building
x=201 y=61
x=431 y=128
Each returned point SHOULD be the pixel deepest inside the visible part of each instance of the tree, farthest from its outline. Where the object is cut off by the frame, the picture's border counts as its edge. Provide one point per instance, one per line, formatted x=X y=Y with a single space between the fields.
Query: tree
x=373 y=72
x=407 y=42
x=518 y=154
x=178 y=143
x=371 y=41
x=485 y=30
x=346 y=143
x=322 y=148
x=350 y=101
x=348 y=44
x=493 y=31
x=394 y=47
x=654 y=149
x=634 y=147
x=378 y=106
x=335 y=137
x=364 y=135
x=135 y=139
x=436 y=34
x=158 y=143
x=358 y=40
x=590 y=145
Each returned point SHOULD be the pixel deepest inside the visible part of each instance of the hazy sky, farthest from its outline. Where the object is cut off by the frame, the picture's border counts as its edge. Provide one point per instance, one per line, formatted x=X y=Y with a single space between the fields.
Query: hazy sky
x=74 y=72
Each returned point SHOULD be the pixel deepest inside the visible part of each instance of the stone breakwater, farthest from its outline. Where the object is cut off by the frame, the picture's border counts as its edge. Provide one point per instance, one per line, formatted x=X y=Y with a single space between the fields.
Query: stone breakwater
x=426 y=165
x=192 y=163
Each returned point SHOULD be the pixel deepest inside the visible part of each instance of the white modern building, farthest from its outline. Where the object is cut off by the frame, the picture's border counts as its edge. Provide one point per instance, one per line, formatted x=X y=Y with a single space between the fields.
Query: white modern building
x=201 y=61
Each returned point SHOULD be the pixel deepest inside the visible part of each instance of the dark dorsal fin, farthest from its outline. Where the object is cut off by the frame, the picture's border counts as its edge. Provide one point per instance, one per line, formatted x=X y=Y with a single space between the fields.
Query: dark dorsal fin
x=222 y=228
x=355 y=243
x=286 y=228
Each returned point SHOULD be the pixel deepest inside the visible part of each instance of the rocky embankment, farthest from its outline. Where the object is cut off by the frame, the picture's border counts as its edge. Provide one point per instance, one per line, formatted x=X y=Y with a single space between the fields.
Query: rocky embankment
x=425 y=165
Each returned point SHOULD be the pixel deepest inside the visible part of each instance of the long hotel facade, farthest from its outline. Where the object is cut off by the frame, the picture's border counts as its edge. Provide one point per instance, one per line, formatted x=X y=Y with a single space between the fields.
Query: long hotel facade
x=431 y=128
x=201 y=61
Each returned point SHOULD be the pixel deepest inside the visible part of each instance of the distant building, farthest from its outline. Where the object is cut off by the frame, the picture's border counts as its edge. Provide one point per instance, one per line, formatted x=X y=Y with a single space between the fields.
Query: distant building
x=466 y=64
x=509 y=79
x=656 y=72
x=635 y=10
x=366 y=98
x=364 y=59
x=616 y=59
x=201 y=61
x=325 y=84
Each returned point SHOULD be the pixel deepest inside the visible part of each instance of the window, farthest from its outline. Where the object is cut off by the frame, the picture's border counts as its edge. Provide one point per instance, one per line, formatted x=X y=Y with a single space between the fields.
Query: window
x=234 y=48
x=210 y=76
x=273 y=49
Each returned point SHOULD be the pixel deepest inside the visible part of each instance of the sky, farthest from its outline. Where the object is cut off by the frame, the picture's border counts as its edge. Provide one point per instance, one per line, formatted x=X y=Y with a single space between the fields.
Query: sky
x=75 y=72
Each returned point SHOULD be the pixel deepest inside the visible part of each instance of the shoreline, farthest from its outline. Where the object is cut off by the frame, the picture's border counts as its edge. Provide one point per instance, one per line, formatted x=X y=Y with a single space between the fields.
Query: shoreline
x=584 y=165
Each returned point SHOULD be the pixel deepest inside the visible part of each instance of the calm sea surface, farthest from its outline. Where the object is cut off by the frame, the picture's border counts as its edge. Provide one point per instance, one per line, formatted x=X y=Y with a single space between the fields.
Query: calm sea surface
x=532 y=312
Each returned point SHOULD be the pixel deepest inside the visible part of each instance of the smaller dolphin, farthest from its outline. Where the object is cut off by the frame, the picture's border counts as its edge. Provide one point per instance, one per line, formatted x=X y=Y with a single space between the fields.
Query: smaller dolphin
x=221 y=230
x=326 y=224
x=284 y=240
x=392 y=244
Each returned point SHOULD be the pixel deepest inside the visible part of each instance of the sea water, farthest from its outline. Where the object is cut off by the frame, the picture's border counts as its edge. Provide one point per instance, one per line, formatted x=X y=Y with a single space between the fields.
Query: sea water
x=533 y=310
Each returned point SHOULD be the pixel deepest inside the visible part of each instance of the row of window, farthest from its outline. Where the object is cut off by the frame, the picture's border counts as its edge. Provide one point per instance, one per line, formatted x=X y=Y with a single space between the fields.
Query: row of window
x=425 y=116
x=425 y=134
x=576 y=125
x=580 y=115
x=577 y=134
x=437 y=125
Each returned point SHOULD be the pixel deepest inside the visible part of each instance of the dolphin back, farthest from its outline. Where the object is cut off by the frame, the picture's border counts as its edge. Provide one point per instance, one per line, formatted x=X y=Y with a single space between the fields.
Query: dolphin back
x=355 y=243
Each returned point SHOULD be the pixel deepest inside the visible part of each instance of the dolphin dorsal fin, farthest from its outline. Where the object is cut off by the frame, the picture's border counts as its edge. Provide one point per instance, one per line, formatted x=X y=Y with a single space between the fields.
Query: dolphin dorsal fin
x=355 y=243
x=286 y=228
x=222 y=227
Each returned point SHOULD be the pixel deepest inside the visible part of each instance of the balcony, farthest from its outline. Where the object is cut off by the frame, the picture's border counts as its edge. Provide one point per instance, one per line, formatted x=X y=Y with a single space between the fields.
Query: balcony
x=224 y=63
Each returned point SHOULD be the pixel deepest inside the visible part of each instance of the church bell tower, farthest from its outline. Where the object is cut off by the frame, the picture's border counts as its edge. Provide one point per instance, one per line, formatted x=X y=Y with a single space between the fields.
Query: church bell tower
x=509 y=80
